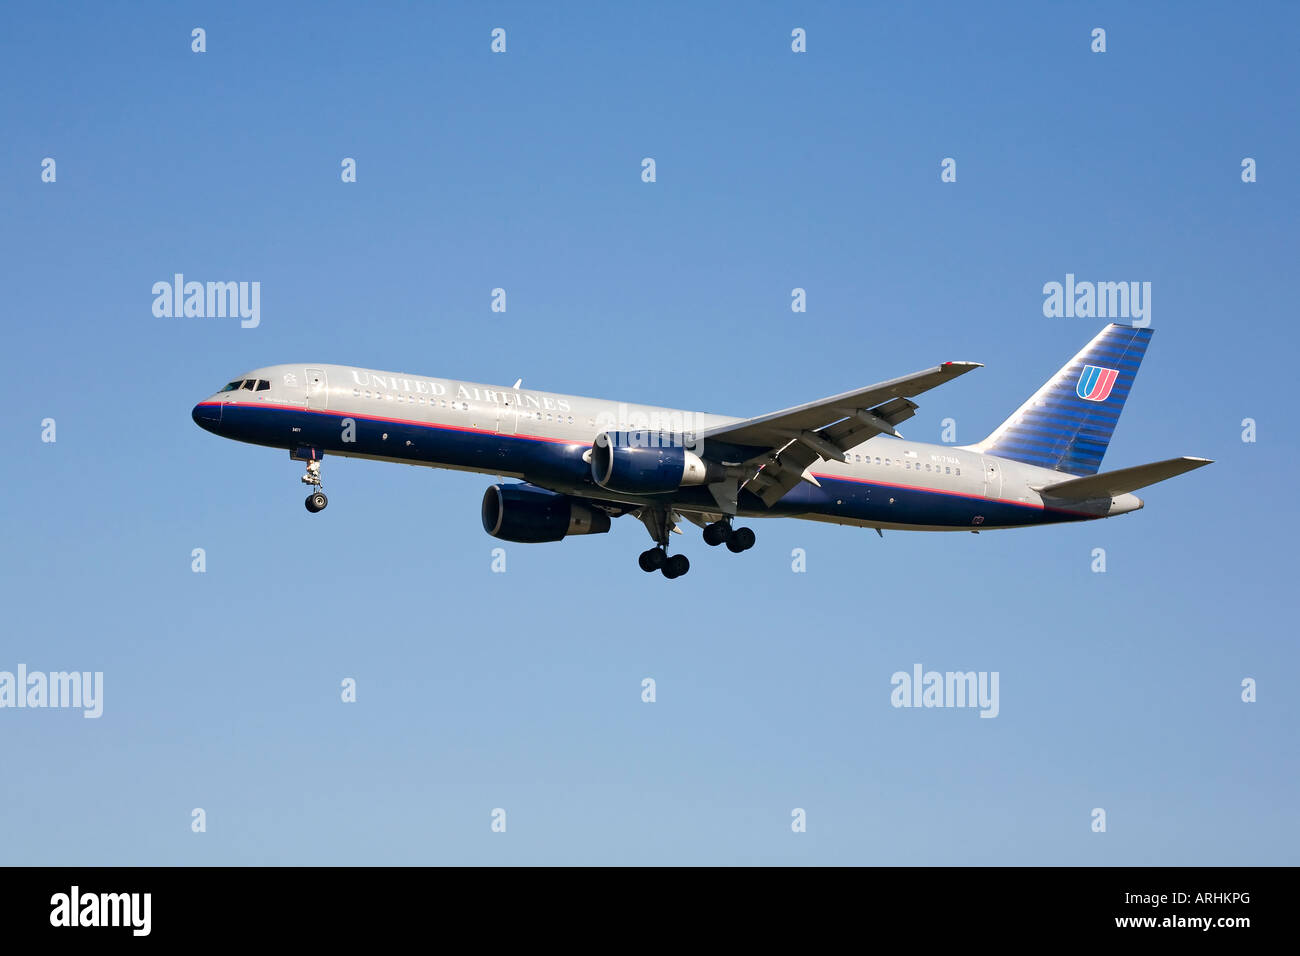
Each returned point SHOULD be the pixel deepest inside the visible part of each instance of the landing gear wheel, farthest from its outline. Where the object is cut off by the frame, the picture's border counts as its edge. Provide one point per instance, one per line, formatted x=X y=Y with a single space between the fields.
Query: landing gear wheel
x=676 y=566
x=742 y=539
x=652 y=560
x=316 y=501
x=716 y=533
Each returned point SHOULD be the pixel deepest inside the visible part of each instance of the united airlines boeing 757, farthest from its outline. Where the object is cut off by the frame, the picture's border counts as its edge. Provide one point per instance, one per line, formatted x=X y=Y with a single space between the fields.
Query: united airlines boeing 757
x=581 y=462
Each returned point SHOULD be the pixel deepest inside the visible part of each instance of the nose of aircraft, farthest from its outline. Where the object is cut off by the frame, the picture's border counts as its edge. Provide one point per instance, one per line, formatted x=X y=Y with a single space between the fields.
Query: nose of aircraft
x=207 y=415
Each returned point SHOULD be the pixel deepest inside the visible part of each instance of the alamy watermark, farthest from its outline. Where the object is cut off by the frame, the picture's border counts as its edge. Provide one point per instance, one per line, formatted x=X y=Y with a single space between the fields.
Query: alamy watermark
x=922 y=688
x=210 y=300
x=1098 y=300
x=37 y=689
x=652 y=428
x=76 y=908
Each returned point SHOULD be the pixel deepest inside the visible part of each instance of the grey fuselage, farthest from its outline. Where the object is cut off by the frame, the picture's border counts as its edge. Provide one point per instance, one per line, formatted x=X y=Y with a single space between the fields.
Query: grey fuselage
x=545 y=438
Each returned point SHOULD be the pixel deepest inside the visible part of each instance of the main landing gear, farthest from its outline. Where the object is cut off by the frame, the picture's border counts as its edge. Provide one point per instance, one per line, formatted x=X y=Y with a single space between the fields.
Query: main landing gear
x=736 y=539
x=660 y=523
x=316 y=501
x=658 y=559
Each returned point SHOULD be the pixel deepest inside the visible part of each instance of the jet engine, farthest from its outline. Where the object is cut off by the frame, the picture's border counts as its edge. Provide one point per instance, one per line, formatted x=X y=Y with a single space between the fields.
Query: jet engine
x=648 y=463
x=528 y=514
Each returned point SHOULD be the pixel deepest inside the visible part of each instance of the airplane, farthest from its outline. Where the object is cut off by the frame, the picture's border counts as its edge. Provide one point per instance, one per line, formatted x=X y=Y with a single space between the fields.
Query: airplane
x=580 y=462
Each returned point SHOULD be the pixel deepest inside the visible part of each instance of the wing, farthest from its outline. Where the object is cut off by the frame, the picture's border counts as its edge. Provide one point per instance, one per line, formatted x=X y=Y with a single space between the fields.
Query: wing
x=789 y=441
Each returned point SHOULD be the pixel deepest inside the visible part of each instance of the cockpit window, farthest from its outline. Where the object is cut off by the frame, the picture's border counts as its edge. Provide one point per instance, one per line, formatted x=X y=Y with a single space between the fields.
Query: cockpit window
x=248 y=384
x=263 y=385
x=231 y=387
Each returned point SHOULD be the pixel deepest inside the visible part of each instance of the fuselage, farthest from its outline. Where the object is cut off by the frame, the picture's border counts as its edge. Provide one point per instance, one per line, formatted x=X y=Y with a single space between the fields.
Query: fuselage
x=545 y=438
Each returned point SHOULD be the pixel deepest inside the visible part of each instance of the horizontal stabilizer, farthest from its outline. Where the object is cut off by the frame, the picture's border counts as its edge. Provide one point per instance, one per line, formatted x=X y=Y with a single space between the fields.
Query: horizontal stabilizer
x=1111 y=484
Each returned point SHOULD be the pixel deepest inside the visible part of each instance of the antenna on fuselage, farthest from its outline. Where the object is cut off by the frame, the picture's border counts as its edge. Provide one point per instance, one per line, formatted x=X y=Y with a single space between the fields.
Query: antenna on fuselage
x=518 y=382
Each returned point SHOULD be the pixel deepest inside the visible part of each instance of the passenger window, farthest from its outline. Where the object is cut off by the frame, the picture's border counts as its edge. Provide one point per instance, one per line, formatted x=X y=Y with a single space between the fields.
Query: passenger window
x=877 y=460
x=886 y=461
x=957 y=471
x=947 y=470
x=356 y=392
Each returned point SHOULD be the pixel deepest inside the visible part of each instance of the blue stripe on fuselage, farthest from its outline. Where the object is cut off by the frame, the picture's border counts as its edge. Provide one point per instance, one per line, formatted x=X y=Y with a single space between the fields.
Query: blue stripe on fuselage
x=558 y=463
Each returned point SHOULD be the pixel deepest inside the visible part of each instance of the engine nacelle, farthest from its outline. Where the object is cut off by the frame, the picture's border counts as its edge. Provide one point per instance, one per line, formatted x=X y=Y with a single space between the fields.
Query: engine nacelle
x=648 y=463
x=528 y=514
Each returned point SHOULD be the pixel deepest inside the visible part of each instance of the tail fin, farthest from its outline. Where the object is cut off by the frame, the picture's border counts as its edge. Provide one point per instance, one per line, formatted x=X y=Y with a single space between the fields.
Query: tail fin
x=1068 y=422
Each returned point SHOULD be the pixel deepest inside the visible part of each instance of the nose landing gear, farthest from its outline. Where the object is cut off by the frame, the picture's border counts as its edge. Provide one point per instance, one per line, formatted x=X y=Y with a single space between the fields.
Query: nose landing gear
x=316 y=501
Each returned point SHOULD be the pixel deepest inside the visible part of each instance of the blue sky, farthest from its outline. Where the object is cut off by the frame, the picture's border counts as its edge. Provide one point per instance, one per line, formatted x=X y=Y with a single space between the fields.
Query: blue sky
x=522 y=690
